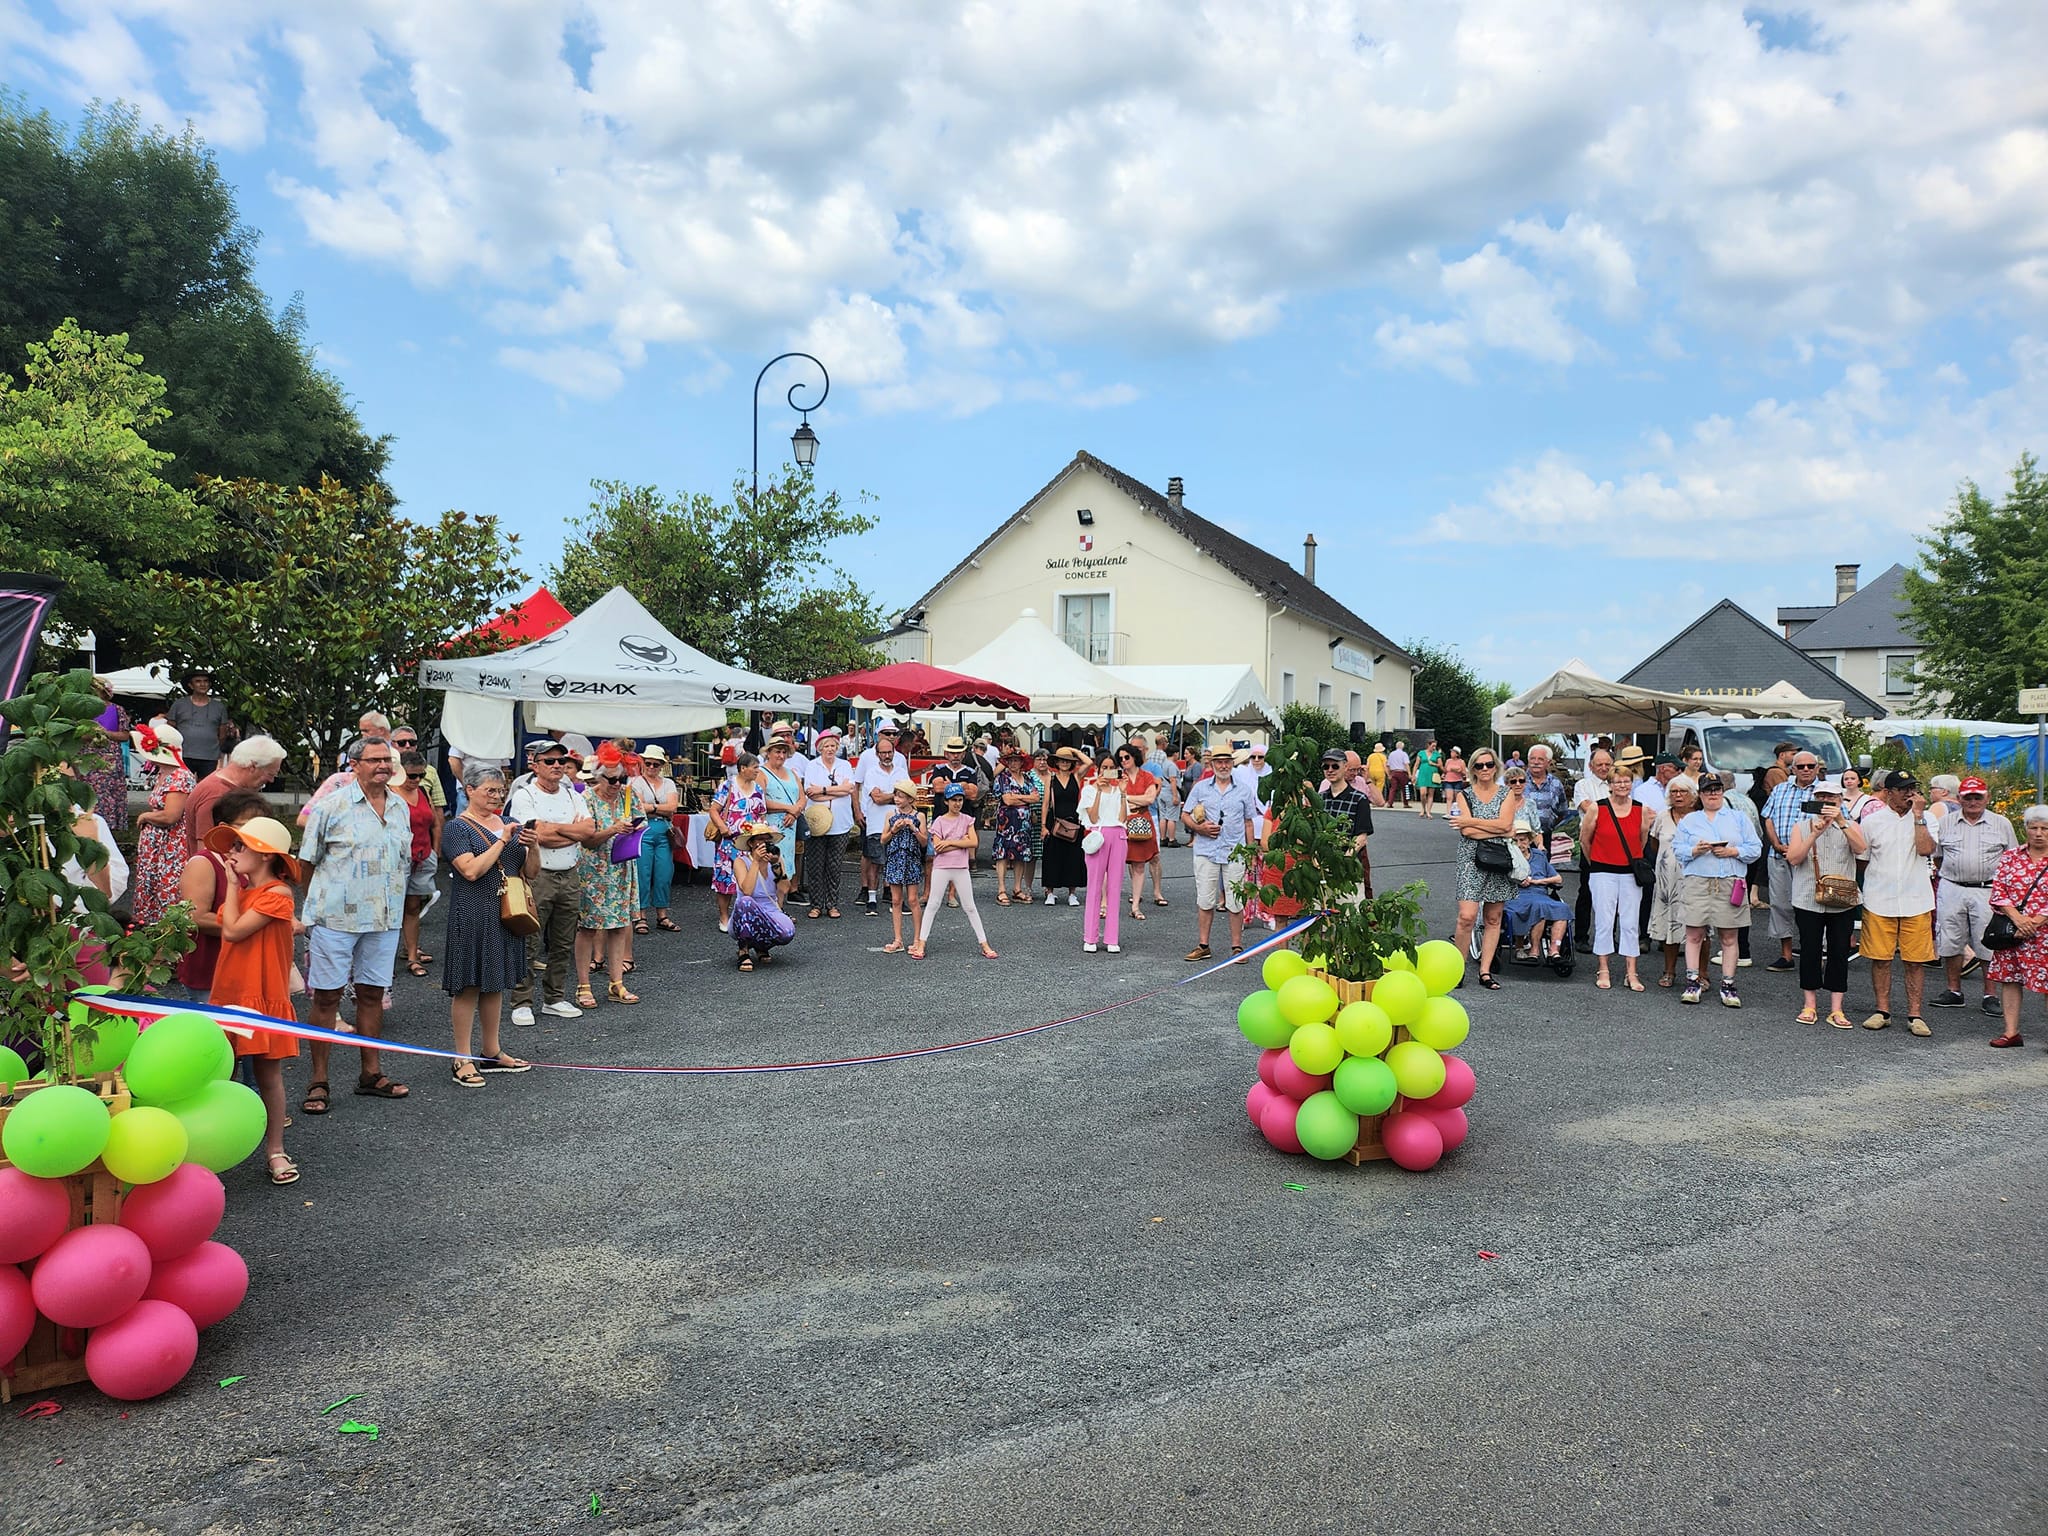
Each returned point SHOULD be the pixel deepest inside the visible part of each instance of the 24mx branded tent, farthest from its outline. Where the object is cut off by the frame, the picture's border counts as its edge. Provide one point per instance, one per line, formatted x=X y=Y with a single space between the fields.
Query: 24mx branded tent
x=612 y=670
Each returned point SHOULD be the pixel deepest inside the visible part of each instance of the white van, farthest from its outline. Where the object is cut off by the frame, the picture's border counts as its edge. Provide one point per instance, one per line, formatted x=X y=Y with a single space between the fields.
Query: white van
x=1738 y=747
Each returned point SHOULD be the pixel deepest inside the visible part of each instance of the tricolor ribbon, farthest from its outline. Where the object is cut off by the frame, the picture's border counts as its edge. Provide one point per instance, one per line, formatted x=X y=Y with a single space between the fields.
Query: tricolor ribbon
x=244 y=1021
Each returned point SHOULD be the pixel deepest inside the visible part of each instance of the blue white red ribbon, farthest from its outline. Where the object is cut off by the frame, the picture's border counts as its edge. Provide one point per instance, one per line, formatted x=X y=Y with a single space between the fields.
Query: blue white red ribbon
x=243 y=1021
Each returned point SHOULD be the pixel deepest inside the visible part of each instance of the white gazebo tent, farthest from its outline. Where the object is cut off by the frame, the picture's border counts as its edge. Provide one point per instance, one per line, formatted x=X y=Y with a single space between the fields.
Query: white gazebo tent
x=1218 y=694
x=1780 y=701
x=151 y=682
x=611 y=670
x=1576 y=701
x=1059 y=681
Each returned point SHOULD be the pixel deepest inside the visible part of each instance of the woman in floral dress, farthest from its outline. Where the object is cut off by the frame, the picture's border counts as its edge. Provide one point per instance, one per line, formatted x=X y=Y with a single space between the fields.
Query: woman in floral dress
x=740 y=802
x=2019 y=890
x=1014 y=799
x=161 y=845
x=102 y=766
x=610 y=888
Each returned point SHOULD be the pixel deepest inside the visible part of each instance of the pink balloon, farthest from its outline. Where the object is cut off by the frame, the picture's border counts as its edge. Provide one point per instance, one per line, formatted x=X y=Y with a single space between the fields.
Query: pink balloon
x=206 y=1284
x=1256 y=1100
x=1458 y=1085
x=145 y=1351
x=1449 y=1120
x=175 y=1215
x=33 y=1214
x=1296 y=1084
x=1412 y=1141
x=1268 y=1060
x=1276 y=1123
x=90 y=1276
x=17 y=1312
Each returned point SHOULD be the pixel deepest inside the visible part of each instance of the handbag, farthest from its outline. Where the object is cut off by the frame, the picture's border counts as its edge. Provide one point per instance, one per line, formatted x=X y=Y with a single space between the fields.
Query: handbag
x=1495 y=856
x=1738 y=891
x=1642 y=869
x=1139 y=828
x=515 y=907
x=1063 y=829
x=1092 y=843
x=2002 y=933
x=1835 y=891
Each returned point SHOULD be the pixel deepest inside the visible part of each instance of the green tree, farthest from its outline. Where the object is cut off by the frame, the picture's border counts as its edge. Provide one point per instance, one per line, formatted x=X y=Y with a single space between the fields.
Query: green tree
x=735 y=584
x=82 y=496
x=320 y=604
x=1451 y=703
x=1320 y=727
x=136 y=232
x=1978 y=600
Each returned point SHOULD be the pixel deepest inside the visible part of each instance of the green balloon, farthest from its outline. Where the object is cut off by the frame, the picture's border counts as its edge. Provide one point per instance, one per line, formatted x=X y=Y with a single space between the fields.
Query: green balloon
x=223 y=1121
x=1365 y=1085
x=1399 y=960
x=1281 y=967
x=1442 y=1025
x=1307 y=1000
x=1315 y=1049
x=1364 y=1029
x=144 y=1145
x=55 y=1132
x=1418 y=1071
x=113 y=1038
x=1400 y=994
x=176 y=1057
x=1325 y=1128
x=1258 y=1018
x=12 y=1069
x=1440 y=966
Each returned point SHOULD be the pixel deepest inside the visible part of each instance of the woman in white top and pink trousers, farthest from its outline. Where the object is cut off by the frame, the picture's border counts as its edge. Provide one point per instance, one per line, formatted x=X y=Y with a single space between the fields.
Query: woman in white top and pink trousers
x=1103 y=811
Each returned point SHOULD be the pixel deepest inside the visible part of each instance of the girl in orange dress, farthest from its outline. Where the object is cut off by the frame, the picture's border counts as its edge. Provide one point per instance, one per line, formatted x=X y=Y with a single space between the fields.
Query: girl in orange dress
x=255 y=966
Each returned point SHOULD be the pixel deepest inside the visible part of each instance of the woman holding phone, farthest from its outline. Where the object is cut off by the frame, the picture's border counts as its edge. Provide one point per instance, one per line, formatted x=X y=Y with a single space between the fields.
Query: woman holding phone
x=484 y=959
x=1104 y=807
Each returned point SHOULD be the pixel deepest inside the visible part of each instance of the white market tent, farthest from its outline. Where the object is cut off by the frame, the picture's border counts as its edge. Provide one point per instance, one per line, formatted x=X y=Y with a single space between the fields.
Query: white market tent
x=1780 y=701
x=611 y=670
x=1032 y=660
x=1217 y=693
x=1576 y=701
x=151 y=682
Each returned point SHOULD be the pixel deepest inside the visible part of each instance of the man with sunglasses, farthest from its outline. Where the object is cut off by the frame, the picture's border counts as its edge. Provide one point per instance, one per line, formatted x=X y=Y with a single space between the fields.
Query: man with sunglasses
x=1968 y=845
x=554 y=816
x=1783 y=811
x=405 y=739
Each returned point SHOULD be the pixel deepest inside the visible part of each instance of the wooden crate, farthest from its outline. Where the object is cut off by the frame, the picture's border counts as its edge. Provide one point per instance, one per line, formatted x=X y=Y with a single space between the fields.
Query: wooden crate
x=1370 y=1148
x=55 y=1357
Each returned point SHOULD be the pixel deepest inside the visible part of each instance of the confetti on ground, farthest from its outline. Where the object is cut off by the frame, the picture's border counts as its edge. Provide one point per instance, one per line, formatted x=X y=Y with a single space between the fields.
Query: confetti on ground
x=229 y=1381
x=1485 y=1255
x=596 y=1507
x=1299 y=1188
x=42 y=1410
x=342 y=1402
x=351 y=1427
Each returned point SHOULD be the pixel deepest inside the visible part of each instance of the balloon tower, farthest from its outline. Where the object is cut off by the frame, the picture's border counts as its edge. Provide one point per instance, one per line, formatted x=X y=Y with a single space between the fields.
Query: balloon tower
x=110 y=1194
x=1363 y=1079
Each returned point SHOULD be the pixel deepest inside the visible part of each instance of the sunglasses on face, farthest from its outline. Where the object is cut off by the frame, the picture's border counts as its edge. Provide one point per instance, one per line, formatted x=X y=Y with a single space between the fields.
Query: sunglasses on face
x=552 y=762
x=405 y=741
x=1482 y=762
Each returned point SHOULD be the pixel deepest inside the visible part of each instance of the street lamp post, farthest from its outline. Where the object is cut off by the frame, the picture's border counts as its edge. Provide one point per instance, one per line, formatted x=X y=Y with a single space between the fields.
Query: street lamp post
x=803 y=442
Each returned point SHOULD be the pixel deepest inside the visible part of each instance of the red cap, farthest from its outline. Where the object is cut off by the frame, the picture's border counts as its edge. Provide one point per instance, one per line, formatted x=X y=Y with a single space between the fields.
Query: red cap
x=1972 y=786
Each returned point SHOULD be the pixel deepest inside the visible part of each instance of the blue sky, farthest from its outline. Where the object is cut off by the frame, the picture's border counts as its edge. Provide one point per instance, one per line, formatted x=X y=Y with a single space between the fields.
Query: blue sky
x=1555 y=324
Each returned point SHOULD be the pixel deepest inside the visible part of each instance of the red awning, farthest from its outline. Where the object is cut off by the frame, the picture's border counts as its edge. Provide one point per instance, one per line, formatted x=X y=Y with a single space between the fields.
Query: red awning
x=541 y=614
x=913 y=685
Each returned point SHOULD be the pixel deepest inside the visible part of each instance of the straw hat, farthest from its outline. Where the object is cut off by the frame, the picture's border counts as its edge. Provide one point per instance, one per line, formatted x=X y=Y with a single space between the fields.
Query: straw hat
x=754 y=830
x=818 y=818
x=263 y=833
x=653 y=754
x=158 y=744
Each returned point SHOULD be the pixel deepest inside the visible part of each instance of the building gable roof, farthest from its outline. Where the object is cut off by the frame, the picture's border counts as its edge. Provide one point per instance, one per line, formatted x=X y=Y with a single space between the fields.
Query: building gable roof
x=1869 y=619
x=1265 y=573
x=1743 y=652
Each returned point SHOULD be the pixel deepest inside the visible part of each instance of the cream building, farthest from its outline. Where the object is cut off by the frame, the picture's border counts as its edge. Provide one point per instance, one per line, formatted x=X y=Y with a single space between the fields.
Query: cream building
x=1129 y=577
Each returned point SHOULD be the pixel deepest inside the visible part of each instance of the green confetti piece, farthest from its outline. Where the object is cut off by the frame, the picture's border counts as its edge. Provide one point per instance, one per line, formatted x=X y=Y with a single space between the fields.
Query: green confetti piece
x=1299 y=1188
x=341 y=1402
x=351 y=1427
x=596 y=1508
x=229 y=1381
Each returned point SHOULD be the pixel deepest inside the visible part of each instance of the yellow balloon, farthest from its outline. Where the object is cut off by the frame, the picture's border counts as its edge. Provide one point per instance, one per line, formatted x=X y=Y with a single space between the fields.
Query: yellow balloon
x=1401 y=994
x=1442 y=1025
x=1315 y=1049
x=1440 y=966
x=1281 y=967
x=1399 y=960
x=1418 y=1071
x=1307 y=1000
x=1364 y=1029
x=144 y=1144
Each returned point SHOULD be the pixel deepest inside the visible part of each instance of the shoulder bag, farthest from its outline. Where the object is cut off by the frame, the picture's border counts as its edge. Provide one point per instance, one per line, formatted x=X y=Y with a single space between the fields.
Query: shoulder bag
x=1642 y=869
x=1495 y=855
x=515 y=904
x=2002 y=933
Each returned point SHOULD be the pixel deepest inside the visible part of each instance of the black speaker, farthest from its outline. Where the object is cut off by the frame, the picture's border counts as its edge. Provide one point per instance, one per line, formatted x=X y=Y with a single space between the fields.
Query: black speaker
x=1358 y=733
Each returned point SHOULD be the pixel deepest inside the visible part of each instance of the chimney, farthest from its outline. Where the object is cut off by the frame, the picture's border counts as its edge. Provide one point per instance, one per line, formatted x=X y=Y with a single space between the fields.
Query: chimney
x=1845 y=582
x=1173 y=493
x=1308 y=558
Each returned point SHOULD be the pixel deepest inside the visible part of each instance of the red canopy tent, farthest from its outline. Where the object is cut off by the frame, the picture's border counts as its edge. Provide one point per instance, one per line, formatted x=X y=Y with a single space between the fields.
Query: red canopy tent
x=913 y=685
x=541 y=614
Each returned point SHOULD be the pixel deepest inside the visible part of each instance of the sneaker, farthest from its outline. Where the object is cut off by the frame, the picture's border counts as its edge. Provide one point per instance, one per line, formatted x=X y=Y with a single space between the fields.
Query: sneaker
x=1073 y=900
x=523 y=1016
x=726 y=926
x=1693 y=992
x=1051 y=900
x=1742 y=964
x=563 y=1010
x=1782 y=965
x=1113 y=949
x=1087 y=949
x=1992 y=1008
x=1877 y=1020
x=1728 y=997
x=1950 y=999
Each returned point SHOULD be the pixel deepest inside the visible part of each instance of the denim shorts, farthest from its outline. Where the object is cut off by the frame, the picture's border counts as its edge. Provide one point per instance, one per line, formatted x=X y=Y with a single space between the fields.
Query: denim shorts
x=335 y=959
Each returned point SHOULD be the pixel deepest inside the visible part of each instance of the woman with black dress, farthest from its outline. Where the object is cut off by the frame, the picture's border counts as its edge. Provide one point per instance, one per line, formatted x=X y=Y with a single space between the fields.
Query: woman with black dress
x=484 y=959
x=1065 y=866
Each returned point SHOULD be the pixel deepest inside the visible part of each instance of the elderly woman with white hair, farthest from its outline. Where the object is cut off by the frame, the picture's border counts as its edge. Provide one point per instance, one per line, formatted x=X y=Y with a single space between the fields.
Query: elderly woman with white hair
x=1667 y=924
x=2019 y=893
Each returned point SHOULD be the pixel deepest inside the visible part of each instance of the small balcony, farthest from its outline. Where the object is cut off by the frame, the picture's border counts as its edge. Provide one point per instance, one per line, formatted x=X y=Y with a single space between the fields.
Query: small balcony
x=1104 y=647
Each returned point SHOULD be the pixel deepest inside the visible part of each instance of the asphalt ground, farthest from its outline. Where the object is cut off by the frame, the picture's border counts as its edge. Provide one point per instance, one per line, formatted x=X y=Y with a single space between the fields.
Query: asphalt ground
x=1749 y=1276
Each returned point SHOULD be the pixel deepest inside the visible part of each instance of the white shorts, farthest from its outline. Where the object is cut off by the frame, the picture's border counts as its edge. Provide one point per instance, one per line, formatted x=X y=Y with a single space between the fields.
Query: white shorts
x=335 y=959
x=1216 y=885
x=1960 y=913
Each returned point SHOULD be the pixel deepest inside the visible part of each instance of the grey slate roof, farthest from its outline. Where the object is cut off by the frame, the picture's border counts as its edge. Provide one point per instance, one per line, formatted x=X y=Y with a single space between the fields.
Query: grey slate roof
x=1266 y=573
x=1726 y=649
x=1869 y=620
x=1802 y=616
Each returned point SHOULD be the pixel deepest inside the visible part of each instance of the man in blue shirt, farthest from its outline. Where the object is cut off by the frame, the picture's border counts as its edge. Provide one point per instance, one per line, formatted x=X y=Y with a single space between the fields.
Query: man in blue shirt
x=1219 y=815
